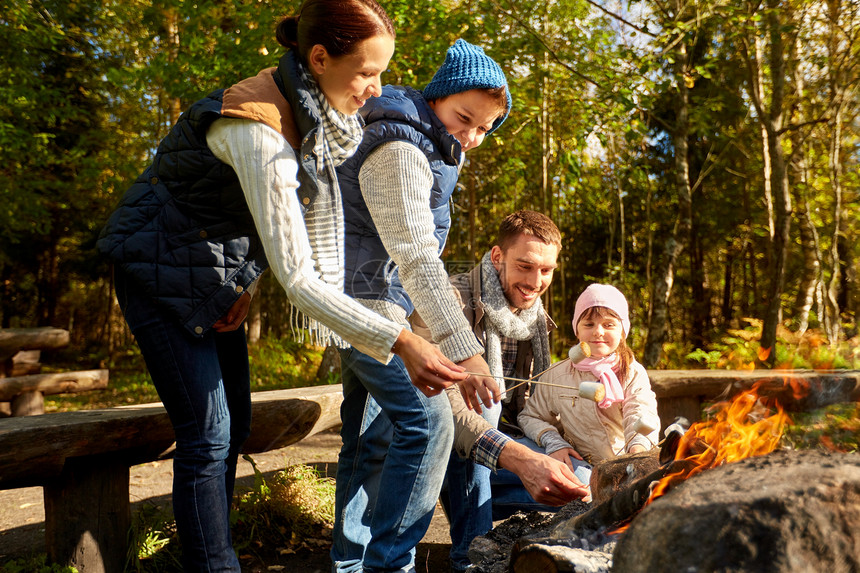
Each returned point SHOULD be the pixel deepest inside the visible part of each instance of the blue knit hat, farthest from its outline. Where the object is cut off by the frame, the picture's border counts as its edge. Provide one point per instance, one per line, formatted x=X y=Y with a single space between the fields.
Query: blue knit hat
x=466 y=68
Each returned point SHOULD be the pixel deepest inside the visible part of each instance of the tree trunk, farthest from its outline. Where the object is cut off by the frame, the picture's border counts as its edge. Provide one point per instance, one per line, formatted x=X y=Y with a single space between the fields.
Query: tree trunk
x=832 y=320
x=810 y=272
x=726 y=307
x=172 y=22
x=658 y=323
x=701 y=314
x=779 y=185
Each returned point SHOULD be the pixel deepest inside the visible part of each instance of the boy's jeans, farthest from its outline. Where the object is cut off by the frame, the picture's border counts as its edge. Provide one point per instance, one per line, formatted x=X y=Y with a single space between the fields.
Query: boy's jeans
x=396 y=442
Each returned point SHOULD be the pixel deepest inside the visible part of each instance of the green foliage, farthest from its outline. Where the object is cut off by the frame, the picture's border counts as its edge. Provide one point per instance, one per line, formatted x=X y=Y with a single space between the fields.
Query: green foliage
x=34 y=564
x=276 y=363
x=283 y=363
x=154 y=542
x=84 y=101
x=834 y=428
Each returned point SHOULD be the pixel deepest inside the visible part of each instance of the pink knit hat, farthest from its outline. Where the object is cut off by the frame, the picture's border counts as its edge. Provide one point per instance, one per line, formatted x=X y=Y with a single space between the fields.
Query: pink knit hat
x=603 y=295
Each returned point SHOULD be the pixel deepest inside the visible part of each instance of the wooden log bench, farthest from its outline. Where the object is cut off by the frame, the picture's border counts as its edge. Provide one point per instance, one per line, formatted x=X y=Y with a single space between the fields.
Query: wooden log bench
x=82 y=460
x=683 y=392
x=21 y=383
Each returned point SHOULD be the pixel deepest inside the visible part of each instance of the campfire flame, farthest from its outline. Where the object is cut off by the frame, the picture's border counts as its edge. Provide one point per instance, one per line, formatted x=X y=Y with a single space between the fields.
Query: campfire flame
x=749 y=425
x=745 y=427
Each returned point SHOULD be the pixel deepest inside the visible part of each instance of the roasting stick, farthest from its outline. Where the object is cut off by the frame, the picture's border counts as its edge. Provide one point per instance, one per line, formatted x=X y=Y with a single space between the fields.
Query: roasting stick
x=529 y=381
x=590 y=390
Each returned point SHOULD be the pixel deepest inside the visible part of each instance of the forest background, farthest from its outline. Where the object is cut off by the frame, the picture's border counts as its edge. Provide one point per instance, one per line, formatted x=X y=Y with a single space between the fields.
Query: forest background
x=700 y=155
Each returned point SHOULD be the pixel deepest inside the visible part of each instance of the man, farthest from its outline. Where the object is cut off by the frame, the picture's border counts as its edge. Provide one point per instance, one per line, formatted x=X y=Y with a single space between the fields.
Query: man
x=501 y=301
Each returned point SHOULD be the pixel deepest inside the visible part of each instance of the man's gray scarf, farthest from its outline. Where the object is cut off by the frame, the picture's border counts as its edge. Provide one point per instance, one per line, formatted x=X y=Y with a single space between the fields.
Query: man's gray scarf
x=528 y=324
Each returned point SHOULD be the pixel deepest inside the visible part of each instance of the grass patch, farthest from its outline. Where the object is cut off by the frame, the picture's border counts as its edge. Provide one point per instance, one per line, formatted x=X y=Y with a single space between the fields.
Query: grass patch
x=35 y=564
x=292 y=511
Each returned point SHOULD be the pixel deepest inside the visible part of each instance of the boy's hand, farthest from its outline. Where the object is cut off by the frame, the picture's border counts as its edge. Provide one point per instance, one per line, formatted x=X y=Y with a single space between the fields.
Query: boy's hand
x=477 y=388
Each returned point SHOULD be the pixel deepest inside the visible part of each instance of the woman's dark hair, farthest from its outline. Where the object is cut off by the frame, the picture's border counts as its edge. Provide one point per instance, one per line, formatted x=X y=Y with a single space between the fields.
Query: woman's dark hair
x=338 y=25
x=625 y=354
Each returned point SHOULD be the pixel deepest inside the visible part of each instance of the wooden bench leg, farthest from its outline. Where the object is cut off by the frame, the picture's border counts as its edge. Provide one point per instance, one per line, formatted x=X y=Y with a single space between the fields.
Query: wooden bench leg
x=28 y=404
x=88 y=515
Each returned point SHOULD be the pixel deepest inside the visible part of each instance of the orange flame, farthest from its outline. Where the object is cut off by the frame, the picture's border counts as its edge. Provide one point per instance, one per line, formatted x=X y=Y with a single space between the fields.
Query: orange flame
x=742 y=428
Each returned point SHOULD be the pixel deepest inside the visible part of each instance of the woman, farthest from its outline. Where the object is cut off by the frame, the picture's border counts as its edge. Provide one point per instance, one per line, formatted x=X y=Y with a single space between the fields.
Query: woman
x=243 y=181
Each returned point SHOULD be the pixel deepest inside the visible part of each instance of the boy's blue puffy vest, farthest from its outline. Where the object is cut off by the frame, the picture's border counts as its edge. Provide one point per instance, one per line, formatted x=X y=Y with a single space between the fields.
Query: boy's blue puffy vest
x=183 y=230
x=399 y=114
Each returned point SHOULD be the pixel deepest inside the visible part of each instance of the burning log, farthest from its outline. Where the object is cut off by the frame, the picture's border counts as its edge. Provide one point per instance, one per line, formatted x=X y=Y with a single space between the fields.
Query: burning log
x=783 y=512
x=542 y=558
x=608 y=477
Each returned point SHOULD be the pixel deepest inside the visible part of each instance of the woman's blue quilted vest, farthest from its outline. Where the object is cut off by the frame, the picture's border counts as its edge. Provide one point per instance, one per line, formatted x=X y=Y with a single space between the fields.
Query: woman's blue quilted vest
x=183 y=230
x=399 y=114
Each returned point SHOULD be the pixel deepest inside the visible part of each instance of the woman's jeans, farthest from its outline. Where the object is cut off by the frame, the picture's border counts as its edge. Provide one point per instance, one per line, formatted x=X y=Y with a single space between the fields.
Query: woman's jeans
x=204 y=384
x=396 y=443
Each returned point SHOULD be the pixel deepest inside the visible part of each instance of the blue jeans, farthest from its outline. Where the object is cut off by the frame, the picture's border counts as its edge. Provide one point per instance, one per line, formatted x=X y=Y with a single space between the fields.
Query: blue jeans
x=204 y=384
x=510 y=495
x=395 y=442
x=467 y=499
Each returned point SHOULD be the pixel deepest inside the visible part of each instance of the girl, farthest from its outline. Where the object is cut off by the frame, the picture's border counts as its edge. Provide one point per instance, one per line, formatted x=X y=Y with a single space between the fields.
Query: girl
x=566 y=425
x=244 y=180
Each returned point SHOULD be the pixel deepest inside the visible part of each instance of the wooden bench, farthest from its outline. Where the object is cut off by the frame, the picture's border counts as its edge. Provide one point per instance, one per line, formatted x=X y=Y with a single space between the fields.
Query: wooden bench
x=82 y=460
x=22 y=385
x=683 y=392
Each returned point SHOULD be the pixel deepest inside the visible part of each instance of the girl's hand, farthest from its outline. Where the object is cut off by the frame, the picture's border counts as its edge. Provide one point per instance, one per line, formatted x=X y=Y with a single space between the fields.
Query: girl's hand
x=234 y=317
x=563 y=455
x=431 y=372
x=635 y=449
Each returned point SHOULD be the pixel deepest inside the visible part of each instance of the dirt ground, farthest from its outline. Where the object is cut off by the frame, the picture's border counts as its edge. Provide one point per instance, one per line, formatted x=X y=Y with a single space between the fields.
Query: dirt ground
x=22 y=511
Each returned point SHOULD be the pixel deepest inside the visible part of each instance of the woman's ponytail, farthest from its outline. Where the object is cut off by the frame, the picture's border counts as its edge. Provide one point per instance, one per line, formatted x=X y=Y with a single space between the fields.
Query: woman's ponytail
x=287 y=33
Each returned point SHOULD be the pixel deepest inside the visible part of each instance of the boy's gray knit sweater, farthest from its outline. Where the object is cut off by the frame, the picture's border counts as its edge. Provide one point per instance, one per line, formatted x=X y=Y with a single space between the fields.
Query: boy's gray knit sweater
x=396 y=181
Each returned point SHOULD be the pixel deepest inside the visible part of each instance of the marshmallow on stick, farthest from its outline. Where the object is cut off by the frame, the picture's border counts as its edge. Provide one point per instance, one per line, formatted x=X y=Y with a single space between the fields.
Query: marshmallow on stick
x=592 y=391
x=645 y=426
x=579 y=352
x=588 y=390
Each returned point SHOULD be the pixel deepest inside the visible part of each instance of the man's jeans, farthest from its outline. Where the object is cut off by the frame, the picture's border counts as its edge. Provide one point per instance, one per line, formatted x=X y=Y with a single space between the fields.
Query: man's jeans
x=474 y=496
x=204 y=384
x=510 y=495
x=467 y=499
x=396 y=442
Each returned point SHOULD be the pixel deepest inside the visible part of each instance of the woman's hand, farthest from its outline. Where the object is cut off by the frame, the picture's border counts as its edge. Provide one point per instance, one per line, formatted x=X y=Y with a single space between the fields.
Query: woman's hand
x=234 y=317
x=477 y=389
x=431 y=372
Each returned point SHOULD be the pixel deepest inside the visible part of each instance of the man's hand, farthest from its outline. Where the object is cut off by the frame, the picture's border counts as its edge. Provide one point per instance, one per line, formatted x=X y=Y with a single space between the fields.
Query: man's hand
x=477 y=389
x=234 y=317
x=563 y=455
x=546 y=479
x=431 y=372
